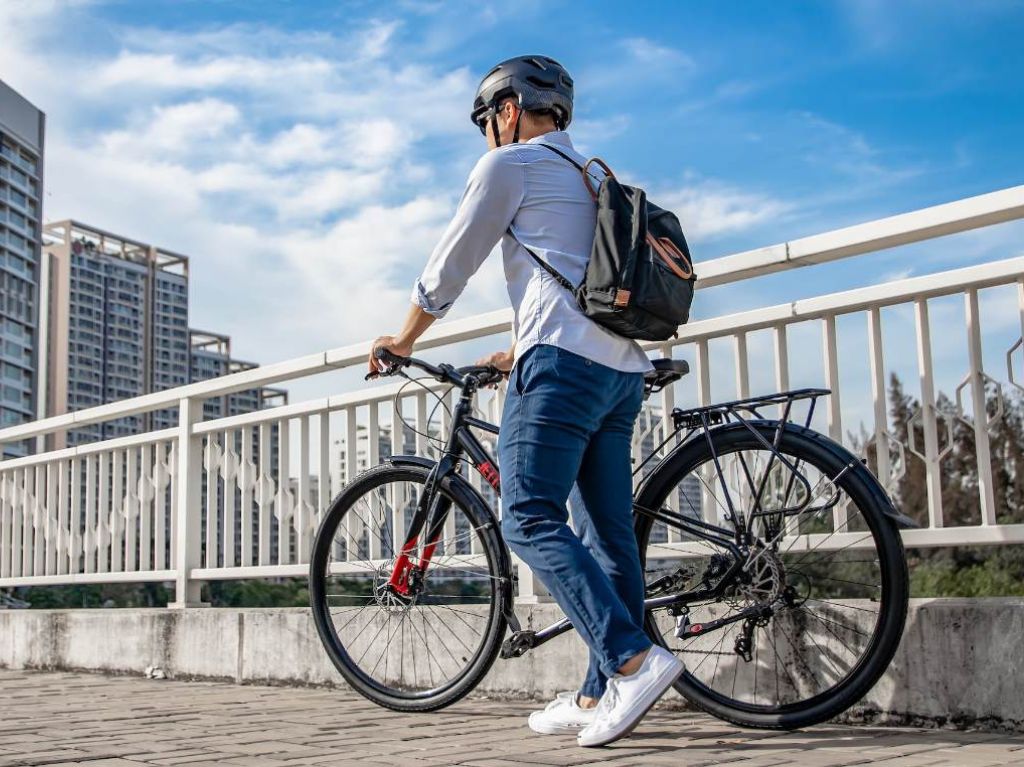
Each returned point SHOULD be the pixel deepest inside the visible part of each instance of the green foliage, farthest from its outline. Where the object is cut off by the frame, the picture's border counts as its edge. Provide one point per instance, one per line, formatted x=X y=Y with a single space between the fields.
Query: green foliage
x=981 y=571
x=96 y=595
x=997 y=572
x=291 y=592
x=256 y=592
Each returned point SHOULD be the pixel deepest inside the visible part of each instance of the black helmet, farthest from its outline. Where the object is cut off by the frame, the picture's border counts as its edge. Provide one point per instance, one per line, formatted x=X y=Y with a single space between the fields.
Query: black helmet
x=539 y=82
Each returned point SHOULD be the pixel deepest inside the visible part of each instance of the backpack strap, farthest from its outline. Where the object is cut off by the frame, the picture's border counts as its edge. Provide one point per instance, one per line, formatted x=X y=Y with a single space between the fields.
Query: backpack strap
x=584 y=169
x=561 y=154
x=559 y=277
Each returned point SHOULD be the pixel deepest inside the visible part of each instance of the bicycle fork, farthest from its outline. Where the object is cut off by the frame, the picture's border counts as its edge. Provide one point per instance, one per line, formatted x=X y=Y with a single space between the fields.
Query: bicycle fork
x=431 y=513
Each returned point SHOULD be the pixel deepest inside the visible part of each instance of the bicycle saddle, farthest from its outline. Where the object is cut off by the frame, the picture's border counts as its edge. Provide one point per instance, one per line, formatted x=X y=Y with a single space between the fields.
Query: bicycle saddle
x=680 y=367
x=665 y=371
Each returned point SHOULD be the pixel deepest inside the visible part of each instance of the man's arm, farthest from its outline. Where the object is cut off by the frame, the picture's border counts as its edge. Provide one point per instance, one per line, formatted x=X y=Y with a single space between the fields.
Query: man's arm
x=416 y=323
x=492 y=196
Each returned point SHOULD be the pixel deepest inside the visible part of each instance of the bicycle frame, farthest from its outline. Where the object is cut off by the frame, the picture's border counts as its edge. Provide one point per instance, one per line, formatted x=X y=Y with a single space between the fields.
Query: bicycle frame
x=433 y=508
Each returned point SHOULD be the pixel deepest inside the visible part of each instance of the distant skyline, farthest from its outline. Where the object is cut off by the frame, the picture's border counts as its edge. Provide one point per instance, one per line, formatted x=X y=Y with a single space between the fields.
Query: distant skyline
x=306 y=155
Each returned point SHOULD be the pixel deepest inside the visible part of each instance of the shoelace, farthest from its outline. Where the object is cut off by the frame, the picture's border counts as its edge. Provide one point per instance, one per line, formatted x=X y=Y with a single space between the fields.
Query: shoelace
x=610 y=699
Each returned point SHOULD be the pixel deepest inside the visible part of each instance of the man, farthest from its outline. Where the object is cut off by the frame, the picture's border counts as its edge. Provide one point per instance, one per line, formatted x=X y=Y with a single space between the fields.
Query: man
x=574 y=391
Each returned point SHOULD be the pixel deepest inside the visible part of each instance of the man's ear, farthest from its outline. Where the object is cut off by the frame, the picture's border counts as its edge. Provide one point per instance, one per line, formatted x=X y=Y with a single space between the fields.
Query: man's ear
x=509 y=111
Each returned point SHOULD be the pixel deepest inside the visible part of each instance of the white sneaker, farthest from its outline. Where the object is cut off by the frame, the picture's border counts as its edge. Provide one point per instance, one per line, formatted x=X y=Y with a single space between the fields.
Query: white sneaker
x=627 y=698
x=562 y=716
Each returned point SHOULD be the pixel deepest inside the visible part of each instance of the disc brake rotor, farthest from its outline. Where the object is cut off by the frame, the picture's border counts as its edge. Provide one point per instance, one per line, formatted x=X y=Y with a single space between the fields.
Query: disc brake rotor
x=764 y=583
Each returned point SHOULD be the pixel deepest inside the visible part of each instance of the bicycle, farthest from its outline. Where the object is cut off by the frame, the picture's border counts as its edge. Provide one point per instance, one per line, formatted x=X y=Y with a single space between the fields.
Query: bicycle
x=772 y=558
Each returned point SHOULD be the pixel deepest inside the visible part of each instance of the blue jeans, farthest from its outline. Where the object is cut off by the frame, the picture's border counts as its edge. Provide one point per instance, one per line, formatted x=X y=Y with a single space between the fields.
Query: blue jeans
x=566 y=419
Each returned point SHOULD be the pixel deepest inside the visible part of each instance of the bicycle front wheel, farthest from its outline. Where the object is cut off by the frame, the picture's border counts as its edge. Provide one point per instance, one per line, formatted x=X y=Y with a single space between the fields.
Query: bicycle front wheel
x=833 y=575
x=426 y=642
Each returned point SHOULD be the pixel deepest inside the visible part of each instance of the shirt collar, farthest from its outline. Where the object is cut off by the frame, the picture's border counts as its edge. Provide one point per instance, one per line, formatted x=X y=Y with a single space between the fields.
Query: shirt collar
x=559 y=137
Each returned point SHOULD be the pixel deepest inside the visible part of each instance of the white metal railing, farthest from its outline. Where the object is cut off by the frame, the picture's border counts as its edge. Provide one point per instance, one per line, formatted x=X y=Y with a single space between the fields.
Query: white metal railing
x=133 y=508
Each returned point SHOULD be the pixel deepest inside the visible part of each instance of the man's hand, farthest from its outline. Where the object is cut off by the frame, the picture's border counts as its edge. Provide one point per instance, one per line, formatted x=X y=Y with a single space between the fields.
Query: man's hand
x=393 y=345
x=501 y=360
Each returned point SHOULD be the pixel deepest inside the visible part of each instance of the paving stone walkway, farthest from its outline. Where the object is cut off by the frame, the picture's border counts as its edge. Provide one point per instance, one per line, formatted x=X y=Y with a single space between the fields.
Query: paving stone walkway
x=63 y=719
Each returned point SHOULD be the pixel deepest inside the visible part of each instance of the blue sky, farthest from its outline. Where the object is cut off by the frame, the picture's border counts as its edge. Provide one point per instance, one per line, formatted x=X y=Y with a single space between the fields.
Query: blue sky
x=307 y=154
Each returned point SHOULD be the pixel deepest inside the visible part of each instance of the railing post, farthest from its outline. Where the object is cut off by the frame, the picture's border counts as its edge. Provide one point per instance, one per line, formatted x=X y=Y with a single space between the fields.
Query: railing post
x=187 y=511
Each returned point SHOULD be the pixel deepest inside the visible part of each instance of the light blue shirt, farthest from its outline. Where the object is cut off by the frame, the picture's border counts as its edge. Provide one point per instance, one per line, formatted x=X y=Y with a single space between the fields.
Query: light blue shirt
x=543 y=199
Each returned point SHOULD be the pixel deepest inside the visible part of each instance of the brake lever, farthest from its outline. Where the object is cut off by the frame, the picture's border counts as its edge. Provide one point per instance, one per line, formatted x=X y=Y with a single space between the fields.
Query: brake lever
x=496 y=376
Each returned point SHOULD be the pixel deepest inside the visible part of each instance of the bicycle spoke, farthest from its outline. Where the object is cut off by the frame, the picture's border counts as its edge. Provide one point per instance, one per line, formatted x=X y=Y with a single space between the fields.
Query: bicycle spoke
x=841 y=580
x=835 y=623
x=838 y=604
x=455 y=633
x=835 y=636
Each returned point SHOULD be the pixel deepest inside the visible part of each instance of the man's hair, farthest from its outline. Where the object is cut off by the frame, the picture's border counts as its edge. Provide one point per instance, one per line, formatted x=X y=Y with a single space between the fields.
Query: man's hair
x=533 y=114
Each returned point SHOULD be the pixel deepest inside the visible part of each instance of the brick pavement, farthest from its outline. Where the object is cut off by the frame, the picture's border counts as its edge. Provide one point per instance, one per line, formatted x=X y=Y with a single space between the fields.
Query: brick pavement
x=63 y=719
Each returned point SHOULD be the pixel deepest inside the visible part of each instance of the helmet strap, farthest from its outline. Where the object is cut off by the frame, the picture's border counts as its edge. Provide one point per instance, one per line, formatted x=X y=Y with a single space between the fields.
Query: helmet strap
x=494 y=127
x=515 y=133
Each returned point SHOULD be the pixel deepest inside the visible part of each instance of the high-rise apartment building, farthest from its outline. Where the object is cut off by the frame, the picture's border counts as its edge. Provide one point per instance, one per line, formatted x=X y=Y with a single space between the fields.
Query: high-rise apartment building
x=116 y=326
x=210 y=357
x=22 y=129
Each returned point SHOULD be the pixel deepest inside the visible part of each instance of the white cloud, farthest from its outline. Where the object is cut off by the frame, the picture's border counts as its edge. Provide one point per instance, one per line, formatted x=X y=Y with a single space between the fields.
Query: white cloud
x=174 y=128
x=708 y=209
x=168 y=72
x=662 y=58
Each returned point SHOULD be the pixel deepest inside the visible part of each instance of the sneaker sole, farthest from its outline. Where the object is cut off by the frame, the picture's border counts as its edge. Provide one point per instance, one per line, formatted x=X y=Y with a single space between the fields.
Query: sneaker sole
x=555 y=729
x=664 y=683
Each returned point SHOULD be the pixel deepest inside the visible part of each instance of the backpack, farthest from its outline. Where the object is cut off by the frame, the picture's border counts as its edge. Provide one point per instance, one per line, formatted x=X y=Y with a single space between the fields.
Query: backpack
x=639 y=278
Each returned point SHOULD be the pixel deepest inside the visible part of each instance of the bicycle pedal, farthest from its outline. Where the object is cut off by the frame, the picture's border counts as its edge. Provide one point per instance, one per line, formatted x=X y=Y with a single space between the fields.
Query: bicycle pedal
x=517 y=644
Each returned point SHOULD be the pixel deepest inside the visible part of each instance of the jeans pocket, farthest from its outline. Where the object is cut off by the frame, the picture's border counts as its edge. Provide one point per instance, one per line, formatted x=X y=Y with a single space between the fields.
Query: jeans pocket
x=538 y=360
x=514 y=380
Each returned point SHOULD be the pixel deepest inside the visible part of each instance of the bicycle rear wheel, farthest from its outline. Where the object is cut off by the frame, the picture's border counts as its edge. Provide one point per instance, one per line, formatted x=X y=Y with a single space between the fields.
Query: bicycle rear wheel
x=835 y=576
x=426 y=648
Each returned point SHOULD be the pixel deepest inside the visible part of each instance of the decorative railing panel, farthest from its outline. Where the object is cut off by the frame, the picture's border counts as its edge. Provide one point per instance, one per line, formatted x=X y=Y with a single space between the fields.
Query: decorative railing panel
x=242 y=496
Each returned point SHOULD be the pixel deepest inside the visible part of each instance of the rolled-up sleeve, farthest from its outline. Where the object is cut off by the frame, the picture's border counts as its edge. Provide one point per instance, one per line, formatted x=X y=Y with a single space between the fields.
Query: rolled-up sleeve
x=492 y=196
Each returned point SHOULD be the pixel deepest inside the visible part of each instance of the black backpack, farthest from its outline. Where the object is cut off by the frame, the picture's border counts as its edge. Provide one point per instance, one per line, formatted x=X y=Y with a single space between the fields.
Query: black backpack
x=639 y=279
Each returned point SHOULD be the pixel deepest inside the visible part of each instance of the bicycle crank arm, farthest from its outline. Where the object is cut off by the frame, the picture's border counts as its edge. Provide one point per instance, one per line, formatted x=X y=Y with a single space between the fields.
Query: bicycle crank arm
x=697 y=629
x=522 y=641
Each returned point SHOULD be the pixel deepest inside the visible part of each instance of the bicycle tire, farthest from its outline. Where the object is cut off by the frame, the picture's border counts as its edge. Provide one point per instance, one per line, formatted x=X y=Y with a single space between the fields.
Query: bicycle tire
x=872 y=501
x=487 y=652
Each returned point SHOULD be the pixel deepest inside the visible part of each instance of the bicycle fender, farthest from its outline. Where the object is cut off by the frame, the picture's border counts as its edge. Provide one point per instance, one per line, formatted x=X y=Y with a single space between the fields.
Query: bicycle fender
x=466 y=493
x=901 y=520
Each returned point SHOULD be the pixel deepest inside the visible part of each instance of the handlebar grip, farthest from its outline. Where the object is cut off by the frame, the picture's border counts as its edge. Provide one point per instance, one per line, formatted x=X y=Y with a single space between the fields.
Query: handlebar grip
x=388 y=356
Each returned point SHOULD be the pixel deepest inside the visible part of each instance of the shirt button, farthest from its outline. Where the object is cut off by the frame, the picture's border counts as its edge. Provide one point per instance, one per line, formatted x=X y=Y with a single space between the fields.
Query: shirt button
x=587 y=362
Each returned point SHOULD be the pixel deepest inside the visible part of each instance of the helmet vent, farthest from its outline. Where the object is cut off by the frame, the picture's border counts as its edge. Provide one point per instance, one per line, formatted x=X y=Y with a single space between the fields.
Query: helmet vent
x=545 y=84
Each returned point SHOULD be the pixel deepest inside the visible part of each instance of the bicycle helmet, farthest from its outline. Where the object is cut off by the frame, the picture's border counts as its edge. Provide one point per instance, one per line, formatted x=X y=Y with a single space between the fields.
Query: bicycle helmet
x=539 y=83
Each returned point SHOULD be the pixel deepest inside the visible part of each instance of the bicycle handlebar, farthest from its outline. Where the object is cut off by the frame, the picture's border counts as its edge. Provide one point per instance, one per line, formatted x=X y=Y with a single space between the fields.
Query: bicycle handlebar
x=483 y=374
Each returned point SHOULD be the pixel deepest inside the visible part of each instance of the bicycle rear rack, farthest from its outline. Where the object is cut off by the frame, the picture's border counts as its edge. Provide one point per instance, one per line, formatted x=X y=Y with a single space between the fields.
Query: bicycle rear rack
x=711 y=415
x=742 y=411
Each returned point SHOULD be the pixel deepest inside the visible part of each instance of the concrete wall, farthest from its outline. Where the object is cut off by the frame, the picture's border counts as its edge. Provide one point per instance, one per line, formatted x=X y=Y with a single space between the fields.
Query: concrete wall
x=961 y=661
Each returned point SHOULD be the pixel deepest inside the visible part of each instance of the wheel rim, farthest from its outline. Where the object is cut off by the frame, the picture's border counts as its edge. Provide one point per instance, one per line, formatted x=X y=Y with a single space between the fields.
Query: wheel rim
x=414 y=647
x=819 y=640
